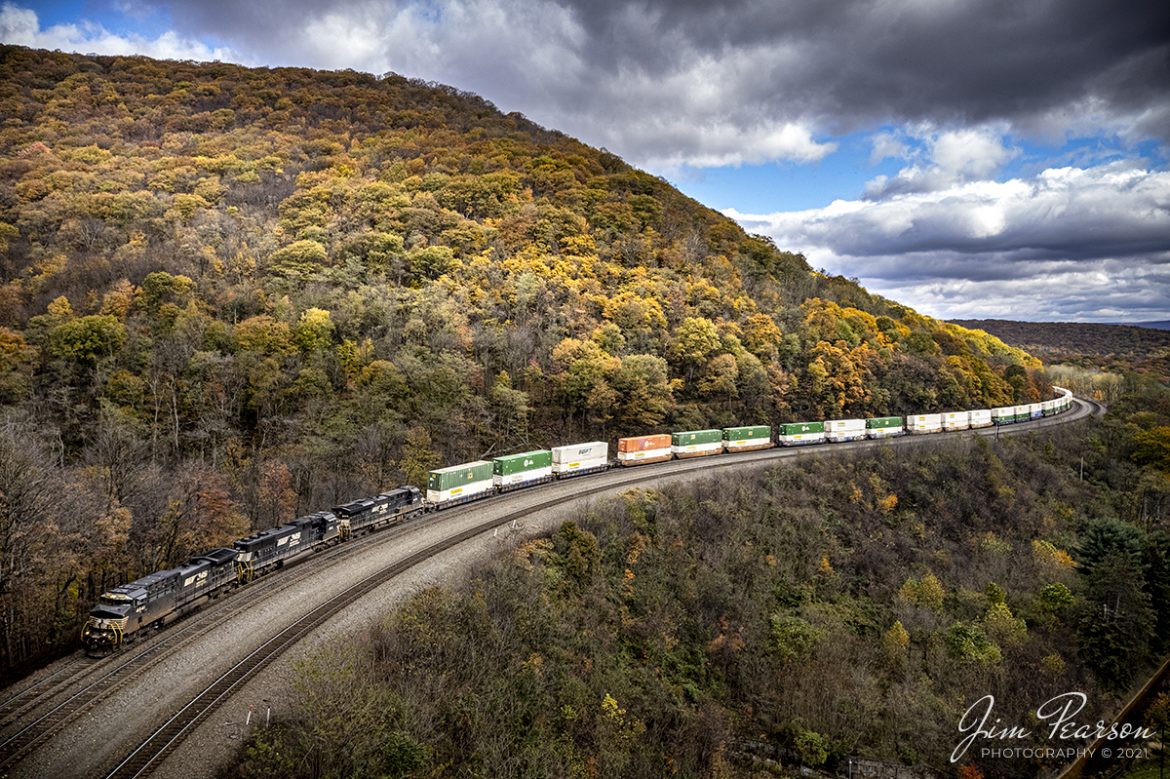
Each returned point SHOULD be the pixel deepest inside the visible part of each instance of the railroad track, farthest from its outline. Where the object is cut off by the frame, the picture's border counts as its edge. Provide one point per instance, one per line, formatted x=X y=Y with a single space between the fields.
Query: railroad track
x=47 y=706
x=151 y=752
x=160 y=743
x=26 y=699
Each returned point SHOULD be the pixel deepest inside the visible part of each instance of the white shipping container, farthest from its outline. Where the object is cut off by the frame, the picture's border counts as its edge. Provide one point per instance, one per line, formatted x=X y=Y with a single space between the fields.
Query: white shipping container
x=1004 y=415
x=1035 y=410
x=594 y=450
x=573 y=466
x=956 y=420
x=981 y=417
x=462 y=491
x=844 y=429
x=924 y=423
x=884 y=432
x=692 y=449
x=522 y=476
x=802 y=438
x=648 y=454
x=743 y=444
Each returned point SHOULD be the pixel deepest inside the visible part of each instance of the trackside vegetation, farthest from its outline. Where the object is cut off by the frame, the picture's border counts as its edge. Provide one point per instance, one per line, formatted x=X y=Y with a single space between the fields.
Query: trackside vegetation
x=829 y=608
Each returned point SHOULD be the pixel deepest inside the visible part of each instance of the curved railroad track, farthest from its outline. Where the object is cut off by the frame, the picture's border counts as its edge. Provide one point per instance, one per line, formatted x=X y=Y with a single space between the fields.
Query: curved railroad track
x=180 y=721
x=46 y=705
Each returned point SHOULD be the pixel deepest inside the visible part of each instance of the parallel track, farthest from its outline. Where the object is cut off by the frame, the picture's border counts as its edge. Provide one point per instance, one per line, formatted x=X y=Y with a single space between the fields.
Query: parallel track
x=52 y=707
x=166 y=738
x=26 y=699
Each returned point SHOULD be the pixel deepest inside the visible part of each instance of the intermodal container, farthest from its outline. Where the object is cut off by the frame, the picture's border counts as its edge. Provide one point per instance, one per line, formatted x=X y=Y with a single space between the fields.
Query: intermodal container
x=844 y=429
x=512 y=469
x=641 y=449
x=883 y=427
x=1035 y=410
x=1004 y=415
x=1064 y=399
x=800 y=433
x=575 y=459
x=1021 y=413
x=956 y=420
x=456 y=482
x=924 y=423
x=696 y=443
x=743 y=439
x=981 y=417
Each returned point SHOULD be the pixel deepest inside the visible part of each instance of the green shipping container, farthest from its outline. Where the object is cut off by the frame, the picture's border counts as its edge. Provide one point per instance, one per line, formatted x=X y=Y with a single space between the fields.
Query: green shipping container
x=692 y=437
x=878 y=422
x=796 y=428
x=525 y=461
x=742 y=433
x=457 y=475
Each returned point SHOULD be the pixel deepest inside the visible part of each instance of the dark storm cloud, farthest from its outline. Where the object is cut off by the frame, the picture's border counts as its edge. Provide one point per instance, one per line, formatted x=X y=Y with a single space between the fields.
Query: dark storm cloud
x=1073 y=214
x=1084 y=244
x=828 y=67
x=667 y=84
x=951 y=89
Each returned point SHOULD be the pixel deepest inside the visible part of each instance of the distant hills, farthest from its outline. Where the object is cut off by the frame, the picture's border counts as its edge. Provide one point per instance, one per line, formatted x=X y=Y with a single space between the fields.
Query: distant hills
x=1145 y=347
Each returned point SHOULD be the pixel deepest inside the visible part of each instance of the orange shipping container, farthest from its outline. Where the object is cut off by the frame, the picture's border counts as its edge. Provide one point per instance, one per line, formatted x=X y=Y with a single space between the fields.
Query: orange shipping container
x=643 y=449
x=643 y=442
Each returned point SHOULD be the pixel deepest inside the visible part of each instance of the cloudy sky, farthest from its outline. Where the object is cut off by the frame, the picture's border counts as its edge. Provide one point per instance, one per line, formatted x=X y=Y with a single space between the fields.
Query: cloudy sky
x=972 y=158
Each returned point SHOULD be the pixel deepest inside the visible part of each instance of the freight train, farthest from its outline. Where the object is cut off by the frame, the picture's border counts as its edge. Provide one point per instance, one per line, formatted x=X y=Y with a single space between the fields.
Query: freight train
x=164 y=596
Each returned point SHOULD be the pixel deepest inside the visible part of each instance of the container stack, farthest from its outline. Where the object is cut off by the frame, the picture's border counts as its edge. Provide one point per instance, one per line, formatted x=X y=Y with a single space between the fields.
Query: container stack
x=696 y=443
x=884 y=427
x=801 y=433
x=845 y=429
x=578 y=459
x=511 y=471
x=745 y=439
x=642 y=449
x=957 y=420
x=924 y=423
x=981 y=417
x=457 y=483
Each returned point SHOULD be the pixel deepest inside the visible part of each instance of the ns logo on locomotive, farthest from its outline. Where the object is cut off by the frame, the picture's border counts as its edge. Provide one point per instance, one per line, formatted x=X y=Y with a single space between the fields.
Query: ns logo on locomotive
x=163 y=596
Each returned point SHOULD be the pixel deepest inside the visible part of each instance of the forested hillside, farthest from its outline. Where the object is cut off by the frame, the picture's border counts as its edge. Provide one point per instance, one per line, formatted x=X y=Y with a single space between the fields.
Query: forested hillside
x=1114 y=347
x=828 y=610
x=230 y=295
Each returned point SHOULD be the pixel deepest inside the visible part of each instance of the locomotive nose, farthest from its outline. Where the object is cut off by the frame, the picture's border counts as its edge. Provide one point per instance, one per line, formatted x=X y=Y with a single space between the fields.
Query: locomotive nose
x=109 y=611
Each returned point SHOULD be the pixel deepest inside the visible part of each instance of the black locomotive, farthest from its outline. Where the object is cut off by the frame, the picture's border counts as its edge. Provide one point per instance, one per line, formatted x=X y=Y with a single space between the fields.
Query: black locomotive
x=163 y=596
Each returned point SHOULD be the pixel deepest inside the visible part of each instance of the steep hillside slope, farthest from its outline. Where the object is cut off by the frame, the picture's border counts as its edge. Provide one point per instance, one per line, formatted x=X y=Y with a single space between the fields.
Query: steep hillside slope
x=228 y=295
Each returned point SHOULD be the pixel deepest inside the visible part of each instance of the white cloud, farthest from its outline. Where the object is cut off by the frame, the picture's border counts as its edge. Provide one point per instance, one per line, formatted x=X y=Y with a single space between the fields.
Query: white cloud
x=22 y=26
x=1079 y=239
x=720 y=143
x=969 y=153
x=940 y=159
x=1111 y=290
x=887 y=146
